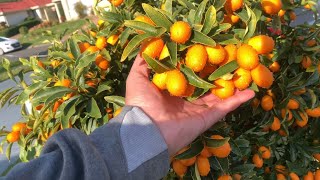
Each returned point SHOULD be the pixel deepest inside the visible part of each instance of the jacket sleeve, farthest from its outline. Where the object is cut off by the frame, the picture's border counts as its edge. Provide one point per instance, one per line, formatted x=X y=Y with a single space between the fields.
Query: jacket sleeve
x=130 y=146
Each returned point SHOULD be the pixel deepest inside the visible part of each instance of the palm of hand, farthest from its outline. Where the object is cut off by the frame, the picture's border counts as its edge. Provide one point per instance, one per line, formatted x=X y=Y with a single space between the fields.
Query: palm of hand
x=178 y=120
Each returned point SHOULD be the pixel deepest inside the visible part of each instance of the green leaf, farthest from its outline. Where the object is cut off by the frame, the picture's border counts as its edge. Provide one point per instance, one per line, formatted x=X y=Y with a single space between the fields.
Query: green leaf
x=74 y=48
x=217 y=30
x=195 y=149
x=173 y=48
x=194 y=80
x=85 y=60
x=133 y=44
x=81 y=37
x=215 y=143
x=142 y=26
x=243 y=168
x=225 y=69
x=93 y=109
x=156 y=65
x=7 y=97
x=46 y=92
x=225 y=39
x=251 y=24
x=210 y=20
x=112 y=17
x=124 y=36
x=60 y=55
x=168 y=6
x=118 y=100
x=8 y=151
x=218 y=4
x=200 y=11
x=157 y=17
x=201 y=38
x=187 y=4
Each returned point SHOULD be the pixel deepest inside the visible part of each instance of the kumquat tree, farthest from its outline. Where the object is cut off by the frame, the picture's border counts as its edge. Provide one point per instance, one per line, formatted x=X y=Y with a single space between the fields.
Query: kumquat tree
x=193 y=47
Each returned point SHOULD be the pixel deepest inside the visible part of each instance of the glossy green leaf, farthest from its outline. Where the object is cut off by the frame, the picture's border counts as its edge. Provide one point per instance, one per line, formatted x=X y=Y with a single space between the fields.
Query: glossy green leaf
x=157 y=17
x=225 y=39
x=195 y=80
x=199 y=12
x=168 y=6
x=225 y=69
x=218 y=29
x=210 y=20
x=120 y=101
x=60 y=55
x=74 y=48
x=187 y=4
x=93 y=109
x=156 y=65
x=195 y=149
x=173 y=48
x=68 y=111
x=201 y=38
x=86 y=60
x=133 y=44
x=251 y=24
x=215 y=143
x=112 y=17
x=8 y=151
x=124 y=36
x=218 y=4
x=142 y=26
x=46 y=92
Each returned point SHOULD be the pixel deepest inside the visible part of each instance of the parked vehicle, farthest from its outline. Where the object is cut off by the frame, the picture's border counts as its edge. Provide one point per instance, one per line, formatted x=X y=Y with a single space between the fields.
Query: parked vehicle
x=8 y=45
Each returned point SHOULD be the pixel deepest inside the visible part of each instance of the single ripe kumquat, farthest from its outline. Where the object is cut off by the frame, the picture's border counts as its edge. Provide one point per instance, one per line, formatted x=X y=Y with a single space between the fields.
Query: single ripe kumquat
x=233 y=5
x=308 y=176
x=292 y=15
x=223 y=89
x=303 y=121
x=267 y=103
x=271 y=7
x=180 y=32
x=102 y=62
x=247 y=57
x=216 y=55
x=196 y=57
x=231 y=19
x=113 y=39
x=160 y=80
x=262 y=44
x=203 y=165
x=225 y=177
x=231 y=53
x=101 y=42
x=236 y=177
x=281 y=168
x=17 y=127
x=152 y=47
x=306 y=62
x=164 y=52
x=242 y=79
x=64 y=82
x=294 y=176
x=222 y=151
x=40 y=64
x=265 y=152
x=205 y=152
x=262 y=76
x=311 y=42
x=57 y=105
x=83 y=46
x=281 y=12
x=276 y=124
x=317 y=175
x=293 y=104
x=116 y=3
x=313 y=112
x=257 y=161
x=176 y=83
x=145 y=19
x=188 y=162
x=286 y=113
x=274 y=67
x=281 y=177
x=13 y=136
x=179 y=168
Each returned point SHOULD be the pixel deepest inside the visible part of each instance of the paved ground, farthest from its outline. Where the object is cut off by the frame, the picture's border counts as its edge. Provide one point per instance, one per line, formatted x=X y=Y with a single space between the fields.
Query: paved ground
x=10 y=115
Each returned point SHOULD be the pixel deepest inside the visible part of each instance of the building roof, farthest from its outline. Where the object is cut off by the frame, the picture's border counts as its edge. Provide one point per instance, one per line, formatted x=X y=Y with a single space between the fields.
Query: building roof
x=21 y=5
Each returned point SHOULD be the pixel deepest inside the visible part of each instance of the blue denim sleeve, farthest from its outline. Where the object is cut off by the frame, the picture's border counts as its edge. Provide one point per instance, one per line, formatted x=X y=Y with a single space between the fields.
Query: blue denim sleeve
x=130 y=146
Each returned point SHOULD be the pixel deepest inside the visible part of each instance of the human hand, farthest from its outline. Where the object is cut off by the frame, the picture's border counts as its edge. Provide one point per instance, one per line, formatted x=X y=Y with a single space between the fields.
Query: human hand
x=179 y=121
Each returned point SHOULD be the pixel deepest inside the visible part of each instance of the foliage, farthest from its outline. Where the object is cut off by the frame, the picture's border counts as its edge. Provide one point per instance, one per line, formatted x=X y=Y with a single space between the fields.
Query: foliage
x=80 y=9
x=70 y=88
x=13 y=30
x=23 y=30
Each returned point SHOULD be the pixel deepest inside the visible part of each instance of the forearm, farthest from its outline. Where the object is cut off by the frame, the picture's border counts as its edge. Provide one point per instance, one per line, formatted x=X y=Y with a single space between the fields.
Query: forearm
x=129 y=147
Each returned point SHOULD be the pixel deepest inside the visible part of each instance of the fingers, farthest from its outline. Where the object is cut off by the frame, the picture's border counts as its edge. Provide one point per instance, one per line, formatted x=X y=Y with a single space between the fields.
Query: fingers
x=140 y=67
x=235 y=101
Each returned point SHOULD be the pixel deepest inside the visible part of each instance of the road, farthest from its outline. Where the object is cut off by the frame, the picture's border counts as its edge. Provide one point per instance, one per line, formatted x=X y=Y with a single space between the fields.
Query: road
x=10 y=115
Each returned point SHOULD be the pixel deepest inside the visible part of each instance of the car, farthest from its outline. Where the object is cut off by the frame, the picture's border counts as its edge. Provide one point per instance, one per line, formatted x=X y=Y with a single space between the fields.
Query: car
x=8 y=45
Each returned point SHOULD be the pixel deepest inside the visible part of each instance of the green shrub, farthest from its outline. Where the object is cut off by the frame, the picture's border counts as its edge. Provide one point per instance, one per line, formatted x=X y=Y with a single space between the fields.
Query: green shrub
x=80 y=9
x=23 y=30
x=13 y=30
